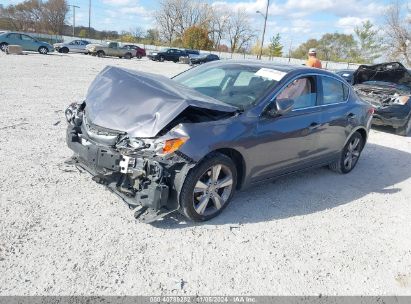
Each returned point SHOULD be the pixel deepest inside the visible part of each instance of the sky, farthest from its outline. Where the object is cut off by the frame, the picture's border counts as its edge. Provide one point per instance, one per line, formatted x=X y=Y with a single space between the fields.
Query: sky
x=295 y=20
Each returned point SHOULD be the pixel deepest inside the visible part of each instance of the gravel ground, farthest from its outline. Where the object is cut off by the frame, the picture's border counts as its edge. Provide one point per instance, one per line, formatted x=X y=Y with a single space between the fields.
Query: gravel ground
x=62 y=234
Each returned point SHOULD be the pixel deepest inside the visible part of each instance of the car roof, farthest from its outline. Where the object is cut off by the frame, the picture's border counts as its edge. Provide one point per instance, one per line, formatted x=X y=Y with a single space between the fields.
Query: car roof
x=286 y=68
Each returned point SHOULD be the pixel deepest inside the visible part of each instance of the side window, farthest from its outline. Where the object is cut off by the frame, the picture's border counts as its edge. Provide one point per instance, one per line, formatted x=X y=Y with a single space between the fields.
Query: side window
x=14 y=36
x=26 y=38
x=302 y=91
x=334 y=91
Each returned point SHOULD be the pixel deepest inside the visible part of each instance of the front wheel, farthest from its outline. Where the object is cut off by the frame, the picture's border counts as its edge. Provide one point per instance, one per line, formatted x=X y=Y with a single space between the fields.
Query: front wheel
x=3 y=46
x=139 y=56
x=208 y=188
x=100 y=54
x=350 y=155
x=161 y=59
x=127 y=56
x=43 y=50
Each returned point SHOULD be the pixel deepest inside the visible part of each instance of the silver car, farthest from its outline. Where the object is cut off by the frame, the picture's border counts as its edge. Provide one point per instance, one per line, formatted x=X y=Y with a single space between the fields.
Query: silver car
x=75 y=46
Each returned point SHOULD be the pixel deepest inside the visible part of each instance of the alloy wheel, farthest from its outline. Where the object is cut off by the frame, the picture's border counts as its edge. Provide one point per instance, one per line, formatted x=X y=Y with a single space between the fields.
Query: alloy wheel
x=352 y=154
x=212 y=190
x=43 y=50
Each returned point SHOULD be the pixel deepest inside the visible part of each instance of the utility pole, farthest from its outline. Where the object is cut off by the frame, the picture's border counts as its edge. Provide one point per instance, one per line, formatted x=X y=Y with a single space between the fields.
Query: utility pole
x=89 y=18
x=74 y=17
x=265 y=25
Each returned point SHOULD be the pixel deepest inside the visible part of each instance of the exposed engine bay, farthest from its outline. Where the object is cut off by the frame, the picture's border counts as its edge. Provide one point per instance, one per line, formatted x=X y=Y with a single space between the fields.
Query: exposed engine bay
x=145 y=171
x=381 y=96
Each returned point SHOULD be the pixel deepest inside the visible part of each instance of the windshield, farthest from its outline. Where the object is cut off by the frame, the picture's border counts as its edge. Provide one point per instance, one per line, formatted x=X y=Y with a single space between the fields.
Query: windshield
x=235 y=84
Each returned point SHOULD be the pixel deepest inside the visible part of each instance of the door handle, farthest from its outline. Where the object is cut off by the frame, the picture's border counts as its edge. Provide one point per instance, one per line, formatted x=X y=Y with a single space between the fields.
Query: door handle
x=313 y=126
x=351 y=116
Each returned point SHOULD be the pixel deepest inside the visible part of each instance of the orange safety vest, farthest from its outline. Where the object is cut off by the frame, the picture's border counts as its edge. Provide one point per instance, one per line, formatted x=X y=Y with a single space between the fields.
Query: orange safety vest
x=314 y=62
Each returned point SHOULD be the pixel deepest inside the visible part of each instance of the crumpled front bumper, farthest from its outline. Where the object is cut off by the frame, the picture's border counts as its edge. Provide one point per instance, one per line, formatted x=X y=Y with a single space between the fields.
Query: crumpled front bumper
x=111 y=169
x=395 y=116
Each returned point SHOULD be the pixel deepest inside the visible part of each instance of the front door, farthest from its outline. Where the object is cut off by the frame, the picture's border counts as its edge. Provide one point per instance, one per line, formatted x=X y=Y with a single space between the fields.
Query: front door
x=289 y=142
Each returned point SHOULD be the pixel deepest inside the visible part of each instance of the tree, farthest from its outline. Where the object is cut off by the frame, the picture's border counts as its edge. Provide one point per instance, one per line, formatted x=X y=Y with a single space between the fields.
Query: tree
x=173 y=17
x=137 y=32
x=54 y=15
x=275 y=47
x=218 y=26
x=397 y=34
x=331 y=47
x=152 y=36
x=239 y=30
x=196 y=37
x=82 y=33
x=369 y=42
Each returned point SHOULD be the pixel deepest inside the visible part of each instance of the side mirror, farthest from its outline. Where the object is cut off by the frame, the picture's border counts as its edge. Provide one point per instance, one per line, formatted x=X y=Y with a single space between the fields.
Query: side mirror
x=280 y=107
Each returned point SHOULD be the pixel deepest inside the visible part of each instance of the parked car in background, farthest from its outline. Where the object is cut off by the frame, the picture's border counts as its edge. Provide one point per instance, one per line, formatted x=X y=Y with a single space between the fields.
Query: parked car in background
x=190 y=142
x=387 y=86
x=167 y=55
x=75 y=46
x=140 y=51
x=346 y=74
x=26 y=42
x=110 y=49
x=203 y=58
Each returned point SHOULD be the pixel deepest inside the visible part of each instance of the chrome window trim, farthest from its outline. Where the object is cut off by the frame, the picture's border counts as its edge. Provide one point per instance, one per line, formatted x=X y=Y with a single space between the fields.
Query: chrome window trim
x=312 y=75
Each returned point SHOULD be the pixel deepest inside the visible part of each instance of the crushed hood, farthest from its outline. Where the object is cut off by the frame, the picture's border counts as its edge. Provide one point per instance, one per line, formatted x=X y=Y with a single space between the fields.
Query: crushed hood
x=392 y=72
x=141 y=104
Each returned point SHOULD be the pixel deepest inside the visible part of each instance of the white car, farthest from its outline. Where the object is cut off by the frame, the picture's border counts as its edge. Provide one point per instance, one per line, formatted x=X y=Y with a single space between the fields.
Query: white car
x=75 y=46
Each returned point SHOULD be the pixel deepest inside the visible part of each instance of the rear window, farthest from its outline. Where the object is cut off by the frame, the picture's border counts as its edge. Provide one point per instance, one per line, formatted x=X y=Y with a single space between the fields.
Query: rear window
x=334 y=91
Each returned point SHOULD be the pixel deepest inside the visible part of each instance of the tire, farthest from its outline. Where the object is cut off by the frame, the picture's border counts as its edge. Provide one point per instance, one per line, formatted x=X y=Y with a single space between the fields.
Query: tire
x=3 y=46
x=128 y=56
x=161 y=59
x=64 y=50
x=405 y=130
x=201 y=198
x=349 y=155
x=139 y=56
x=100 y=54
x=43 y=50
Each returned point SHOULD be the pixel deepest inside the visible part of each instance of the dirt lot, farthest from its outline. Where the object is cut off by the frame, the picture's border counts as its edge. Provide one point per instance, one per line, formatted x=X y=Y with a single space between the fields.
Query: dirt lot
x=62 y=234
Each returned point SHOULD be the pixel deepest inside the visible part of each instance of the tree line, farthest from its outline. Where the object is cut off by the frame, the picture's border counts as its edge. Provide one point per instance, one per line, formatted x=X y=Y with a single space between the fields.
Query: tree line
x=198 y=25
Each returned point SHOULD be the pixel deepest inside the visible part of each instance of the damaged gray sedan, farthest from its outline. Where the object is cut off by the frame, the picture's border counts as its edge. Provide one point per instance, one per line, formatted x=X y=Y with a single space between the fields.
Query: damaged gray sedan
x=189 y=142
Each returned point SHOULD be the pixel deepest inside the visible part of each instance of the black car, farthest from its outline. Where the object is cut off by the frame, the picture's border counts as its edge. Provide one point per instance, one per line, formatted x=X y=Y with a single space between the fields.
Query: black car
x=346 y=74
x=203 y=58
x=387 y=87
x=189 y=142
x=167 y=55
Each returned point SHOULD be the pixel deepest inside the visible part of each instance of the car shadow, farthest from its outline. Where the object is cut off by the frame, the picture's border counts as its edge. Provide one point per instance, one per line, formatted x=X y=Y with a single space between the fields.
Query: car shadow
x=379 y=170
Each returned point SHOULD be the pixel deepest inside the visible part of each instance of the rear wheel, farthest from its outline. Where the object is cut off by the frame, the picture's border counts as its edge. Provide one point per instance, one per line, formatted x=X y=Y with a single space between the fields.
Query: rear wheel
x=43 y=50
x=100 y=54
x=161 y=58
x=64 y=50
x=208 y=188
x=139 y=56
x=350 y=155
x=405 y=130
x=127 y=56
x=3 y=46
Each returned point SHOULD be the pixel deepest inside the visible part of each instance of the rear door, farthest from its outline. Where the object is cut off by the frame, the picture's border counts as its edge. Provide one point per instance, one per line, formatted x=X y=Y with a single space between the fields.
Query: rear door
x=15 y=38
x=335 y=115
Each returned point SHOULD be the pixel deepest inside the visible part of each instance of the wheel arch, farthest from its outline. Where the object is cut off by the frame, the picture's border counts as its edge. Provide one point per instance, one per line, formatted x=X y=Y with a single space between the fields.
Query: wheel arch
x=238 y=160
x=360 y=129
